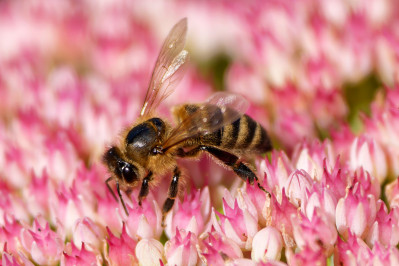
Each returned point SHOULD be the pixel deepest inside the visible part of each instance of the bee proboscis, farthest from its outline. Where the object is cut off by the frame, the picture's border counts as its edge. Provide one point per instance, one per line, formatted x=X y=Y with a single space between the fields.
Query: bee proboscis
x=149 y=148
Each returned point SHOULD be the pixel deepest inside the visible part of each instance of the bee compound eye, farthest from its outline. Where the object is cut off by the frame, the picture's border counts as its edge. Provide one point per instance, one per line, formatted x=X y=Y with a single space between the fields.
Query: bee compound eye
x=129 y=174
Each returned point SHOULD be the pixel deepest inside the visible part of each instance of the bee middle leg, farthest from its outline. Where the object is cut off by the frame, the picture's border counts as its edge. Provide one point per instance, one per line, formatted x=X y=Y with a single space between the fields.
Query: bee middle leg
x=172 y=193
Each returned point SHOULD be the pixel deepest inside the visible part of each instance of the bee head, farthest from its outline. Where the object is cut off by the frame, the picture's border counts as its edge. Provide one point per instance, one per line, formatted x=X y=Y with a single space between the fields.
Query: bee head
x=124 y=171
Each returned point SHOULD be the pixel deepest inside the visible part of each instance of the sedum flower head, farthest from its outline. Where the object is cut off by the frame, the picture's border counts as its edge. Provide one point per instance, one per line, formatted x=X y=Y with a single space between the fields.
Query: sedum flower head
x=321 y=76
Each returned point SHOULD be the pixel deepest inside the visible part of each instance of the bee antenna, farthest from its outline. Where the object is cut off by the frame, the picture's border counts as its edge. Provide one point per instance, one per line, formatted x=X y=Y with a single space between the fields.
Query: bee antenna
x=110 y=189
x=120 y=197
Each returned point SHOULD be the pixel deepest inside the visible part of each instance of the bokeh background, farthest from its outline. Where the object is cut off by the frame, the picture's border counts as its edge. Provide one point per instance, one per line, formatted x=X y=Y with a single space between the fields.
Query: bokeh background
x=73 y=74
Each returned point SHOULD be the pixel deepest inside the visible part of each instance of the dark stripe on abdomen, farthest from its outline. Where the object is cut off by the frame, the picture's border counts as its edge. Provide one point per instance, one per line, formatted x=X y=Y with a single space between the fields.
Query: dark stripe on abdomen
x=247 y=132
x=230 y=134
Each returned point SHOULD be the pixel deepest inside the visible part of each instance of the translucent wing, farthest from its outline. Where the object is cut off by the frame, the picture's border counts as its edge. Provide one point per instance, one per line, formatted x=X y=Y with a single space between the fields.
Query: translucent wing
x=169 y=67
x=219 y=110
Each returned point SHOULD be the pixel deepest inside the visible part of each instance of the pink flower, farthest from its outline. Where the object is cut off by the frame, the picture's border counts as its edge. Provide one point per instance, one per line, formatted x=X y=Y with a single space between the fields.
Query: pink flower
x=88 y=184
x=241 y=262
x=316 y=233
x=384 y=125
x=192 y=214
x=255 y=200
x=322 y=200
x=121 y=250
x=243 y=201
x=63 y=159
x=43 y=245
x=276 y=172
x=310 y=158
x=368 y=154
x=355 y=213
x=74 y=256
x=297 y=186
x=370 y=185
x=385 y=255
x=7 y=258
x=181 y=249
x=237 y=223
x=9 y=233
x=11 y=204
x=385 y=229
x=306 y=256
x=86 y=231
x=217 y=248
x=143 y=221
x=336 y=179
x=353 y=252
x=38 y=193
x=149 y=252
x=68 y=207
x=279 y=215
x=14 y=162
x=108 y=211
x=267 y=245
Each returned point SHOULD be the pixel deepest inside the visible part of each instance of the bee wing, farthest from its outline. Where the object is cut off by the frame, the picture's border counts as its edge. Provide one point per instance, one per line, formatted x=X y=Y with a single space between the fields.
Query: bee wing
x=219 y=110
x=169 y=67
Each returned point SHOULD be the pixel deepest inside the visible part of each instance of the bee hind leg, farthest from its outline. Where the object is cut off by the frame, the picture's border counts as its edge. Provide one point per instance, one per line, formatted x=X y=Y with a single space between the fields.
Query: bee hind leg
x=231 y=160
x=172 y=194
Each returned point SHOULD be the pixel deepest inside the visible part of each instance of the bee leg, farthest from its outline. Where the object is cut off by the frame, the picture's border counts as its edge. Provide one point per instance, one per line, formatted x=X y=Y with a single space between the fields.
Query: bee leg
x=110 y=189
x=144 y=187
x=231 y=160
x=172 y=194
x=120 y=197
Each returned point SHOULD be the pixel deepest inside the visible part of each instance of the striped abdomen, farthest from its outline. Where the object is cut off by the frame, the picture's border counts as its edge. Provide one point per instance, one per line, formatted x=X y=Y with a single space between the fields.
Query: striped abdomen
x=243 y=135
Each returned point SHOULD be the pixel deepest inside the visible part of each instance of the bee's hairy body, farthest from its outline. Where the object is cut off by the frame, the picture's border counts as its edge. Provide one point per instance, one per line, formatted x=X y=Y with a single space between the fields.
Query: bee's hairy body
x=150 y=147
x=244 y=136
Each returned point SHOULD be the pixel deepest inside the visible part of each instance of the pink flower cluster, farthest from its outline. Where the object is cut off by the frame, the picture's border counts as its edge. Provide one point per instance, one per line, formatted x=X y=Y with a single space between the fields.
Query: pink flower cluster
x=73 y=74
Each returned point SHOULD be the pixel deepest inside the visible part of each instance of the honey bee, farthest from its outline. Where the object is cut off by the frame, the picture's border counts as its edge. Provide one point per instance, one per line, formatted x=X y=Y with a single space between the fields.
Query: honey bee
x=150 y=147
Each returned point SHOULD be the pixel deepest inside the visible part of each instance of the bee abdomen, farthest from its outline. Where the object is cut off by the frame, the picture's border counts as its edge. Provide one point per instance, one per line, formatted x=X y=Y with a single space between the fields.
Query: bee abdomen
x=245 y=134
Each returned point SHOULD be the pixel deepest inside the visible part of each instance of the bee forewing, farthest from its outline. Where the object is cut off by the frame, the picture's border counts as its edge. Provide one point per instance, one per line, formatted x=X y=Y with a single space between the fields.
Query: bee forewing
x=168 y=67
x=177 y=63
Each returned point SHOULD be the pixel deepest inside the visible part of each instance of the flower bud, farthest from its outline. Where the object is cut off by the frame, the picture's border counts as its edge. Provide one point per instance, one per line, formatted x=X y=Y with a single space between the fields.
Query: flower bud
x=267 y=245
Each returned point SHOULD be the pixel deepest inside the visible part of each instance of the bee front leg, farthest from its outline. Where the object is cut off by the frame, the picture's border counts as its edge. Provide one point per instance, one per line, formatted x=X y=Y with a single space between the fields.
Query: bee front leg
x=144 y=187
x=110 y=189
x=172 y=194
x=120 y=197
